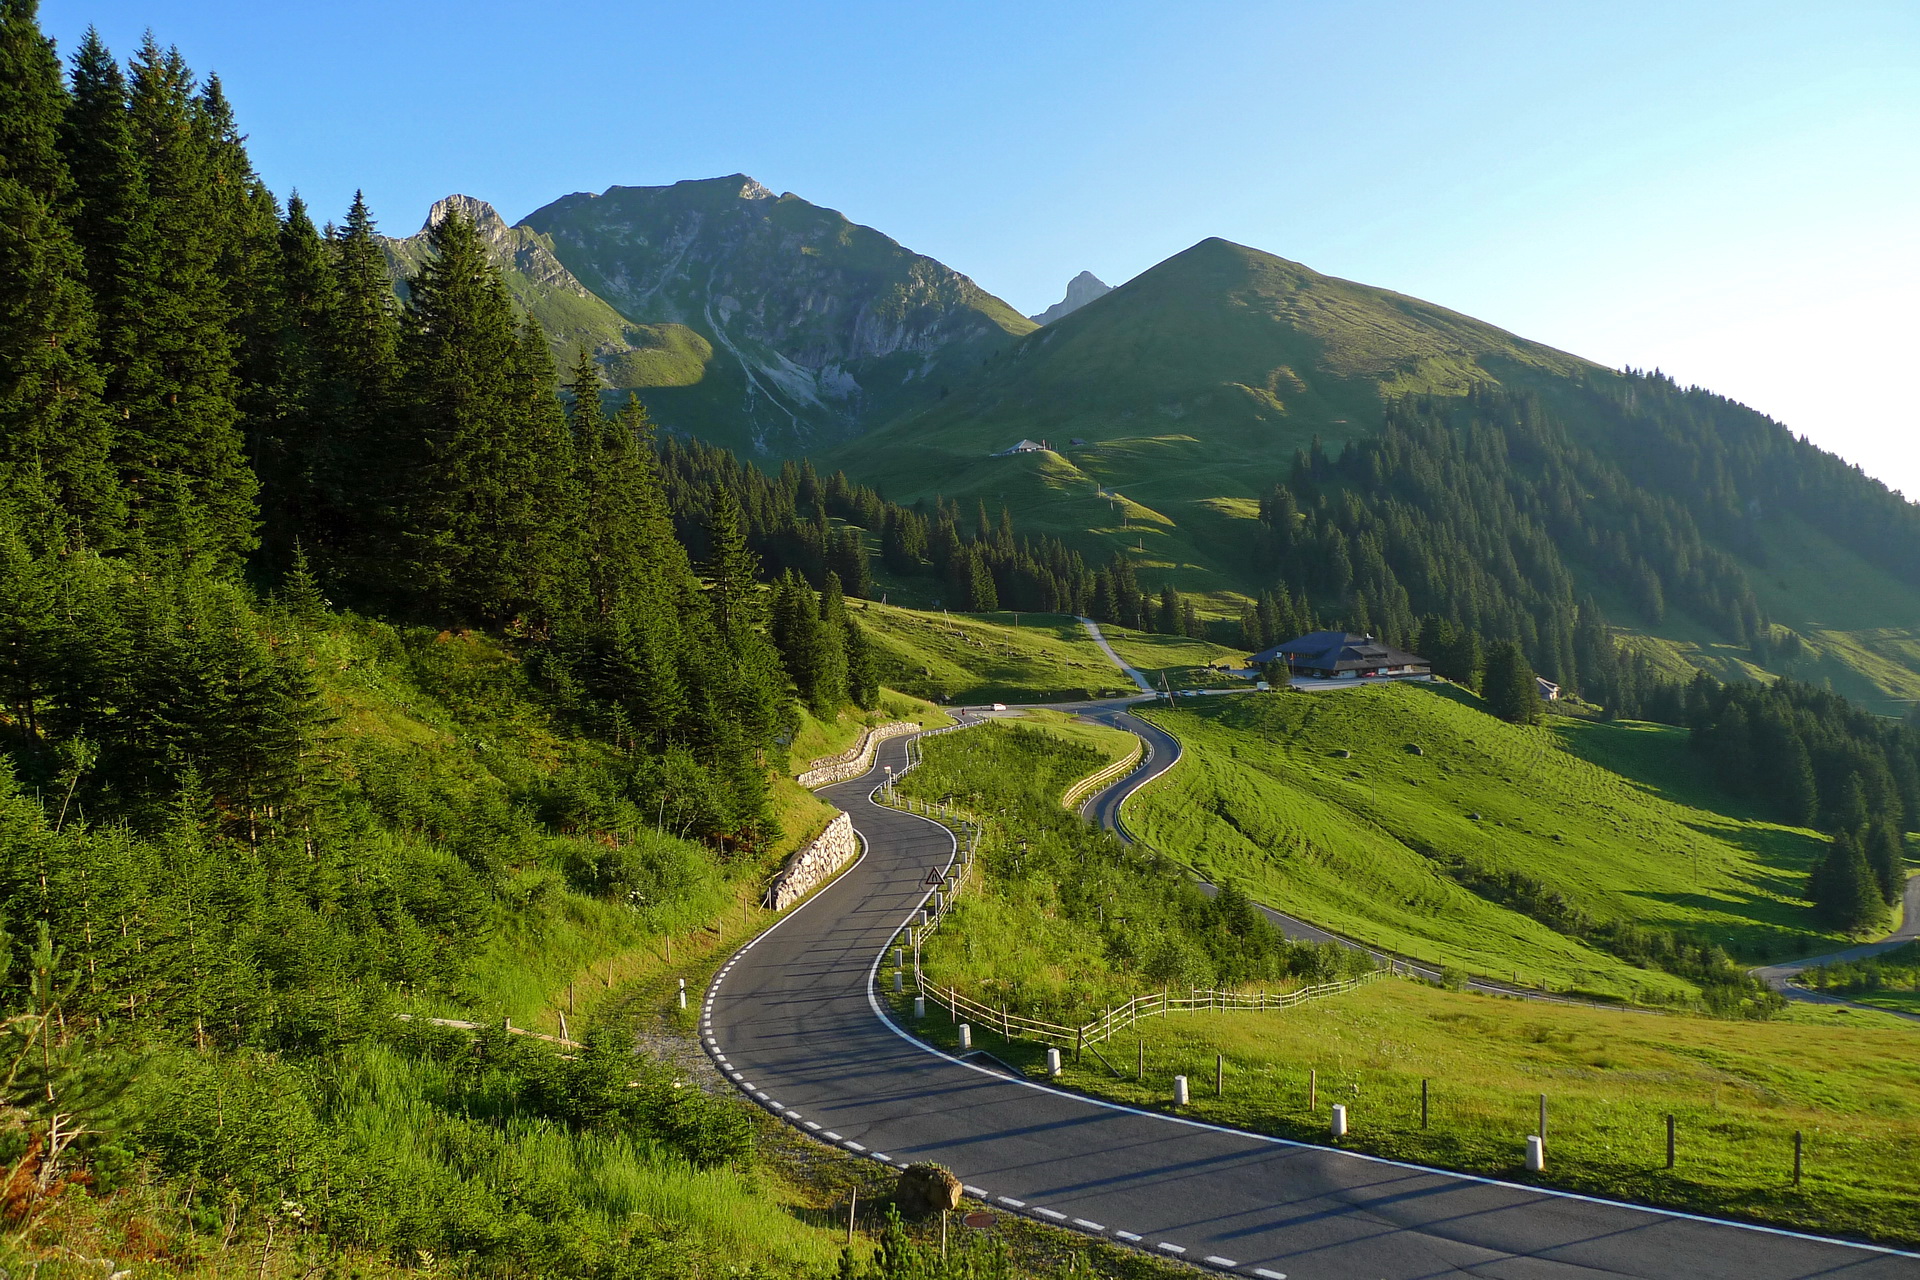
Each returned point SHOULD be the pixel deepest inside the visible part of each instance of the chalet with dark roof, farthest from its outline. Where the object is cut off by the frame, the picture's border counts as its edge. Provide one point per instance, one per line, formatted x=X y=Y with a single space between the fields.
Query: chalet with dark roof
x=1343 y=655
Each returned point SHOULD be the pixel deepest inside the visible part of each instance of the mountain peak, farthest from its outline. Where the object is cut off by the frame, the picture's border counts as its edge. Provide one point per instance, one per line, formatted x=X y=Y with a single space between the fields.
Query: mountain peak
x=478 y=212
x=1081 y=290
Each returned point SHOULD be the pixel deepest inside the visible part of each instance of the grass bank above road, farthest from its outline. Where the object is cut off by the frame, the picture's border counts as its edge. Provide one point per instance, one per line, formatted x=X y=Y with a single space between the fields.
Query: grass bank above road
x=1025 y=657
x=973 y=658
x=1403 y=816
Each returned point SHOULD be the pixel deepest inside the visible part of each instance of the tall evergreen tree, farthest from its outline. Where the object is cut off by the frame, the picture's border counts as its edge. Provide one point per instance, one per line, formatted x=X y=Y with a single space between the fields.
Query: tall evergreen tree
x=179 y=447
x=357 y=462
x=1843 y=888
x=1512 y=691
x=474 y=527
x=54 y=441
x=293 y=395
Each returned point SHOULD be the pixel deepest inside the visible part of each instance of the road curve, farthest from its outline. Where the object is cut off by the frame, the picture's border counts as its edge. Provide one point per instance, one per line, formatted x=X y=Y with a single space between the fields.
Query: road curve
x=792 y=1020
x=1784 y=977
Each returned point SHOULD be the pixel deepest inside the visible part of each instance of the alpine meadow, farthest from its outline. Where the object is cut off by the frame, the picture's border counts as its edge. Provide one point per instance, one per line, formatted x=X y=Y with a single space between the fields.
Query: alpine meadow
x=433 y=664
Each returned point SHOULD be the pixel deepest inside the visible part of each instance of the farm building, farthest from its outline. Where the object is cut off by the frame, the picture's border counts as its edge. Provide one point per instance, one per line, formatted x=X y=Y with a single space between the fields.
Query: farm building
x=1343 y=655
x=1549 y=691
x=1024 y=446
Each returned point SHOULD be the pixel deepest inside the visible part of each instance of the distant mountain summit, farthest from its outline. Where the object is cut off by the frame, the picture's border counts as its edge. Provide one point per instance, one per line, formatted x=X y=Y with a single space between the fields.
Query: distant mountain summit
x=1081 y=290
x=819 y=326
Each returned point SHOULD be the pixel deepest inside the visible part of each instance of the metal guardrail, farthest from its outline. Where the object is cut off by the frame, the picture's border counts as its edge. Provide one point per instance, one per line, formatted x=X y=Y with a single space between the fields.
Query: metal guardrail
x=1080 y=790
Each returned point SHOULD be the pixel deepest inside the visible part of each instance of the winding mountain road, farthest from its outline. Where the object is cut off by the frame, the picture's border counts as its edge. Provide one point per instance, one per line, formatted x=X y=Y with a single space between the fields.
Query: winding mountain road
x=794 y=1021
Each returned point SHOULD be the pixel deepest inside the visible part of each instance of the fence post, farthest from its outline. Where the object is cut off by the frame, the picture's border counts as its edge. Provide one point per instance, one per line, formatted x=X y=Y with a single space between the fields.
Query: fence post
x=1219 y=1075
x=1423 y=1104
x=1142 y=1069
x=1669 y=1140
x=1543 y=1118
x=1313 y=1088
x=1079 y=1044
x=1796 y=1157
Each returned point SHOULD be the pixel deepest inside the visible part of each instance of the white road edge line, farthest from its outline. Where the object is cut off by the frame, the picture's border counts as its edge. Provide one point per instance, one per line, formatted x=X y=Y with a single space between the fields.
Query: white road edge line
x=1128 y=1236
x=976 y=1192
x=1265 y=1274
x=873 y=1003
x=1164 y=1247
x=1011 y=1203
x=1091 y=1226
x=1055 y=1214
x=1216 y=1260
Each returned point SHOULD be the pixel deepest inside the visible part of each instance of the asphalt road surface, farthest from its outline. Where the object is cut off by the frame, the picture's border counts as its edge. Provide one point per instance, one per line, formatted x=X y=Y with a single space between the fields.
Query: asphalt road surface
x=792 y=1019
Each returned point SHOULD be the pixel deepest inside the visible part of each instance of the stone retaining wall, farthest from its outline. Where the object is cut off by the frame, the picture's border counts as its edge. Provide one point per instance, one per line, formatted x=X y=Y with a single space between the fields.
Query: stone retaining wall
x=855 y=760
x=813 y=865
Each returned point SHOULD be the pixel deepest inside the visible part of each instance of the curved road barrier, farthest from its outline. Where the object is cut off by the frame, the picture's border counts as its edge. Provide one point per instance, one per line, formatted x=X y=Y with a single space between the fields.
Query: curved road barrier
x=793 y=1020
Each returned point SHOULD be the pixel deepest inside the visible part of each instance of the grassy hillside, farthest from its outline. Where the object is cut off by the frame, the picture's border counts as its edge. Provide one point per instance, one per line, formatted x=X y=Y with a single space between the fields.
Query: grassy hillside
x=1191 y=386
x=1063 y=922
x=1737 y=1090
x=963 y=658
x=972 y=658
x=1497 y=849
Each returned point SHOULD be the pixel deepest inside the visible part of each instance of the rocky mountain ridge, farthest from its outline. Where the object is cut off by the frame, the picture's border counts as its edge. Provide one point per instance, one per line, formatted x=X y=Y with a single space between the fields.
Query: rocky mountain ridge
x=1081 y=290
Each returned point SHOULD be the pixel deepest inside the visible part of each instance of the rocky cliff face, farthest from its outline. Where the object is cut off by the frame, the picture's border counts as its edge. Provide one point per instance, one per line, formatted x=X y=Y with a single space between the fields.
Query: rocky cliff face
x=1081 y=290
x=818 y=325
x=632 y=355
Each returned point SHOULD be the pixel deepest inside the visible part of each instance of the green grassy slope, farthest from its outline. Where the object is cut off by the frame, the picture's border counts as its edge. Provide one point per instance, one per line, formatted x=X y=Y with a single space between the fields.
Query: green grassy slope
x=1738 y=1091
x=963 y=658
x=1192 y=385
x=1027 y=657
x=1363 y=845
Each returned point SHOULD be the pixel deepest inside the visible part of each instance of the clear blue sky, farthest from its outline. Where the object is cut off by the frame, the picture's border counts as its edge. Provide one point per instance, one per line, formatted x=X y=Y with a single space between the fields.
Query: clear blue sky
x=1728 y=191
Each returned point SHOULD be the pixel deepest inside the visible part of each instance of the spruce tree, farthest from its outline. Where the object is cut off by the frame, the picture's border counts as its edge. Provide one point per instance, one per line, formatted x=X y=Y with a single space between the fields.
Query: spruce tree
x=473 y=531
x=178 y=386
x=293 y=397
x=54 y=432
x=1843 y=888
x=357 y=457
x=832 y=685
x=1512 y=691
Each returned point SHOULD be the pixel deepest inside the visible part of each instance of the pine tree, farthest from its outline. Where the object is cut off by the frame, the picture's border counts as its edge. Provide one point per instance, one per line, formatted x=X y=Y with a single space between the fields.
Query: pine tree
x=54 y=432
x=1843 y=888
x=356 y=460
x=177 y=390
x=1512 y=691
x=474 y=537
x=293 y=395
x=831 y=683
x=1885 y=853
x=863 y=674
